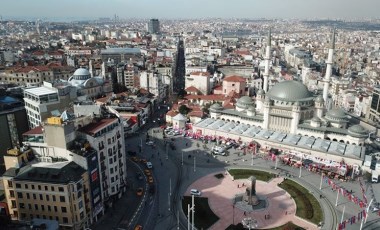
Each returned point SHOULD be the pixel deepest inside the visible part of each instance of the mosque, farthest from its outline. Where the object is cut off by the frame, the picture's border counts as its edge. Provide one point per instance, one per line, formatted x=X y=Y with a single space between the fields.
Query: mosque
x=289 y=114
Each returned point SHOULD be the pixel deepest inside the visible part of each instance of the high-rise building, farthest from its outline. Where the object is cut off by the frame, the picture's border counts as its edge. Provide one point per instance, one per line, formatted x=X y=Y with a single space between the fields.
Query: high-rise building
x=154 y=26
x=374 y=111
x=13 y=123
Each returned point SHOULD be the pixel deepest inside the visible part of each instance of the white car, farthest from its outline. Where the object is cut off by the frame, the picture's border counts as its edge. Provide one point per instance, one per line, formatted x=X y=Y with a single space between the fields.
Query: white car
x=150 y=143
x=195 y=192
x=149 y=165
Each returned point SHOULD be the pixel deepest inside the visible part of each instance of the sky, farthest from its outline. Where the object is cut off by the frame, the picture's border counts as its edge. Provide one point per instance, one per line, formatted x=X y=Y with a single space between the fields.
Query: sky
x=173 y=9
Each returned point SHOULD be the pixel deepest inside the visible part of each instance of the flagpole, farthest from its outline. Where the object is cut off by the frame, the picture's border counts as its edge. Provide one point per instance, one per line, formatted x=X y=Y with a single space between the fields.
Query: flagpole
x=337 y=197
x=344 y=207
x=320 y=185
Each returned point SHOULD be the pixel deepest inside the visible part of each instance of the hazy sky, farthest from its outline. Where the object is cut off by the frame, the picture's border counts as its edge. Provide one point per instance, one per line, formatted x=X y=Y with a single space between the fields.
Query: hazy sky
x=348 y=9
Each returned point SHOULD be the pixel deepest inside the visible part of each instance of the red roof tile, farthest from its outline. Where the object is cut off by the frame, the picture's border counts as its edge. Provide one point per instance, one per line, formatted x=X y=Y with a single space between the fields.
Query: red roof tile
x=191 y=89
x=35 y=131
x=172 y=113
x=234 y=79
x=92 y=128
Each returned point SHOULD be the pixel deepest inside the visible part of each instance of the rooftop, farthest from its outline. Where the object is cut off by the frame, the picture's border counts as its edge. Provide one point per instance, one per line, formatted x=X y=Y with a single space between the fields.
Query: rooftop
x=56 y=173
x=234 y=79
x=39 y=91
x=94 y=127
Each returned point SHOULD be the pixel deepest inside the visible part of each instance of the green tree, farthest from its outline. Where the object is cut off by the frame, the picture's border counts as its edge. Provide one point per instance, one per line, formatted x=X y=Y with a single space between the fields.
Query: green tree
x=183 y=109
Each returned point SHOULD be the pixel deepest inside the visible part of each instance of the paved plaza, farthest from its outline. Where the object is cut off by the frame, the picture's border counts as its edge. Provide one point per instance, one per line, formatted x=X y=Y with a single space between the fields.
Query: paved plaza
x=221 y=192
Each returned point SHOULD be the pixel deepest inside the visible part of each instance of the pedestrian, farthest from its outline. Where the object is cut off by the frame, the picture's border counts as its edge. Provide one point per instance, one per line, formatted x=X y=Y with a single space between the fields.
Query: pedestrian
x=244 y=213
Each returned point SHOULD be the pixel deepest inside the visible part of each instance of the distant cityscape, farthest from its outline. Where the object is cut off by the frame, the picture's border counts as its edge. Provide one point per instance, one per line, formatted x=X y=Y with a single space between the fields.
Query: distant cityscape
x=115 y=123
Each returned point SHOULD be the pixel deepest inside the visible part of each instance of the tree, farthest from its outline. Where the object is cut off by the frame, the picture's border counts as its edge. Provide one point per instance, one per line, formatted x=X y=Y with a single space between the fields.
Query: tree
x=183 y=109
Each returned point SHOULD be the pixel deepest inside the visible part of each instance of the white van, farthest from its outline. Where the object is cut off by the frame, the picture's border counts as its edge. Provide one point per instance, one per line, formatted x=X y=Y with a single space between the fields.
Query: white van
x=375 y=176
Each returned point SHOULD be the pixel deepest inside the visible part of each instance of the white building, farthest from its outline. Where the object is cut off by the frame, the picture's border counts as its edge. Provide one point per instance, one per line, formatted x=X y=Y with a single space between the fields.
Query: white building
x=199 y=80
x=153 y=82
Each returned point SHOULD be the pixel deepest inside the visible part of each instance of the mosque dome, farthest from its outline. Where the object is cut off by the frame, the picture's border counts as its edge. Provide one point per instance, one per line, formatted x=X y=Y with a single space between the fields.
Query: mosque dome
x=244 y=102
x=81 y=74
x=357 y=131
x=336 y=115
x=216 y=107
x=260 y=92
x=319 y=99
x=290 y=91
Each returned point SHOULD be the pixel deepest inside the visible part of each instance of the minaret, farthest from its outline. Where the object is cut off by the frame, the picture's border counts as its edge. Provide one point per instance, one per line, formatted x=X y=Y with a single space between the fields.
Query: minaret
x=329 y=63
x=104 y=70
x=90 y=68
x=267 y=60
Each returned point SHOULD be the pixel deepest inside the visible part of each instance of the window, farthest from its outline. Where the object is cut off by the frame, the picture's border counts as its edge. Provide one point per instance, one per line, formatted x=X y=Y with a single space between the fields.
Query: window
x=39 y=187
x=11 y=193
x=110 y=160
x=54 y=198
x=26 y=186
x=65 y=220
x=10 y=184
x=60 y=189
x=47 y=197
x=18 y=185
x=27 y=196
x=43 y=208
x=32 y=186
x=21 y=205
x=61 y=198
x=49 y=208
x=41 y=197
x=19 y=195
x=36 y=206
x=46 y=188
x=34 y=196
x=13 y=204
x=63 y=209
x=55 y=209
x=52 y=188
x=29 y=206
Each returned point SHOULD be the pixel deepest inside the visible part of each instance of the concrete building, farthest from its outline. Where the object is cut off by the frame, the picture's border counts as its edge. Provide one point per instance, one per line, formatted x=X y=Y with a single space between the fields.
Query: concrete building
x=120 y=54
x=153 y=26
x=13 y=123
x=199 y=80
x=153 y=83
x=234 y=84
x=56 y=191
x=374 y=111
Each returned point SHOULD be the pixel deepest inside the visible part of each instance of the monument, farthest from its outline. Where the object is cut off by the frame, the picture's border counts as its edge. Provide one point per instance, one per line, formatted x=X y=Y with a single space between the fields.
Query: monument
x=250 y=196
x=249 y=201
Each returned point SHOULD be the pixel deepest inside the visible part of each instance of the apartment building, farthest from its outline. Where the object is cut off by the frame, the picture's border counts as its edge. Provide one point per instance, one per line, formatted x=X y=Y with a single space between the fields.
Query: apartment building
x=153 y=83
x=55 y=191
x=199 y=80
x=104 y=134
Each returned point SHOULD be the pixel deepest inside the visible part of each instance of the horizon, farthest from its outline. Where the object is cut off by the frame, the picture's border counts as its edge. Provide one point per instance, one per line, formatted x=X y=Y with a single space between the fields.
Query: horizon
x=71 y=10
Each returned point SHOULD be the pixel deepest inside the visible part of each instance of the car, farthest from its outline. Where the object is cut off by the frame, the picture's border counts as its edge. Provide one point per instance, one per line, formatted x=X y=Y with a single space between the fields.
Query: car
x=150 y=143
x=135 y=159
x=195 y=192
x=143 y=160
x=139 y=191
x=150 y=179
x=147 y=172
x=149 y=165
x=139 y=176
x=138 y=227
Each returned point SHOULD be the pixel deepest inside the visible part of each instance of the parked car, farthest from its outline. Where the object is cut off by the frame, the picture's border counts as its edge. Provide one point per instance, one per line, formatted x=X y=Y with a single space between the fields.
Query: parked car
x=195 y=192
x=149 y=165
x=138 y=227
x=149 y=143
x=150 y=180
x=147 y=172
x=140 y=191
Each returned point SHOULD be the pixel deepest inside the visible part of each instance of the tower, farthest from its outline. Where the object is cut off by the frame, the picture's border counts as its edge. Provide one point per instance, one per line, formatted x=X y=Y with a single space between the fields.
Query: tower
x=266 y=109
x=267 y=60
x=329 y=63
x=296 y=110
x=90 y=68
x=319 y=106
